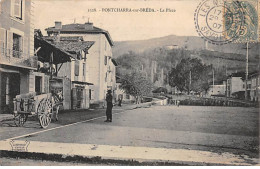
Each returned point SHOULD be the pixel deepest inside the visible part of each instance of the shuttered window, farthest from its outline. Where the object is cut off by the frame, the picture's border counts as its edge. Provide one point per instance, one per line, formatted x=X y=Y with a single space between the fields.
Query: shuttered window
x=17 y=45
x=18 y=4
x=83 y=69
x=105 y=60
x=2 y=41
x=76 y=68
x=9 y=50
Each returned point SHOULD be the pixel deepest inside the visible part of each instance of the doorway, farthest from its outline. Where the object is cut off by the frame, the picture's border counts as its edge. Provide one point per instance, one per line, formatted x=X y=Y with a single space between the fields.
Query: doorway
x=10 y=87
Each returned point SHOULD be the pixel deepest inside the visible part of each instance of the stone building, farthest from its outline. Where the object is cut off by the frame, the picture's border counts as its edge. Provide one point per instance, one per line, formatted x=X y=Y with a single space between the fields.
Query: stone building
x=17 y=61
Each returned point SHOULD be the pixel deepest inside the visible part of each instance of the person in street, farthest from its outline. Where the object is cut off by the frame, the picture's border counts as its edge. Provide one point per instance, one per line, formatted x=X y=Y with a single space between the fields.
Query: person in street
x=109 y=99
x=120 y=98
x=178 y=103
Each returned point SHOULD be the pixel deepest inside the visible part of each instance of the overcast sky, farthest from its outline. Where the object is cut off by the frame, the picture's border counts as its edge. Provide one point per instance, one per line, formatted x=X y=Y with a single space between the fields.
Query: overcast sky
x=121 y=26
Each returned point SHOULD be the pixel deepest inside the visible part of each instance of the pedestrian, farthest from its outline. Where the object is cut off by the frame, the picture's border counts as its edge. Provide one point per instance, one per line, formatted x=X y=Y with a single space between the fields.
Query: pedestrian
x=120 y=98
x=109 y=99
x=178 y=103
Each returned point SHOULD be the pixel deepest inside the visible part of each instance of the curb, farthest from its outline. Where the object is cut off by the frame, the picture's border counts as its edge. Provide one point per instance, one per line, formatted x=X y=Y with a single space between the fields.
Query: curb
x=99 y=160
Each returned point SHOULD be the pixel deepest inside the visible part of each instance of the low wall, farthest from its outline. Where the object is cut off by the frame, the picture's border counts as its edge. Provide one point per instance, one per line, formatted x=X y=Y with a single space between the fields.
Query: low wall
x=157 y=102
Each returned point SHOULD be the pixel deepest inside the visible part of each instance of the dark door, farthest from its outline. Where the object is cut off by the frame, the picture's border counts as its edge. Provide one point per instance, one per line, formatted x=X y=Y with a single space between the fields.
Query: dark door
x=38 y=81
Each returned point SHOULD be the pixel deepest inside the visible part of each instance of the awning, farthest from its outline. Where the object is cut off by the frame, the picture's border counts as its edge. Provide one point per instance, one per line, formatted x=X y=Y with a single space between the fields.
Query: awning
x=44 y=54
x=82 y=83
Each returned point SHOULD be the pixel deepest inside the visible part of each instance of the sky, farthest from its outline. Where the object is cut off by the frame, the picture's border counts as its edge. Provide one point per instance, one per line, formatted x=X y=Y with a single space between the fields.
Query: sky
x=121 y=26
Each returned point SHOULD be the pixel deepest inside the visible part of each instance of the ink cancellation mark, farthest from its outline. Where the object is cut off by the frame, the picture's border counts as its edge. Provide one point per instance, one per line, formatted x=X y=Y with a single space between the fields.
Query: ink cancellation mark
x=220 y=22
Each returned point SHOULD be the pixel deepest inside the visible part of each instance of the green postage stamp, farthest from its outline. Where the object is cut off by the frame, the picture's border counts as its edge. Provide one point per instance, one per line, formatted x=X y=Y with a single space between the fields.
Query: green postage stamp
x=225 y=21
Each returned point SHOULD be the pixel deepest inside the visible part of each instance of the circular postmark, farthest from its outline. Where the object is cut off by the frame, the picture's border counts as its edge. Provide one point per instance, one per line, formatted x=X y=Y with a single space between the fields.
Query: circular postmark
x=219 y=21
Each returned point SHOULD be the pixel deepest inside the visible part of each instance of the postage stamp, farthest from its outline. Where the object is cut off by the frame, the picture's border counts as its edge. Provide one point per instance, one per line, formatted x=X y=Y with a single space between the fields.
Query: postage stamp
x=224 y=21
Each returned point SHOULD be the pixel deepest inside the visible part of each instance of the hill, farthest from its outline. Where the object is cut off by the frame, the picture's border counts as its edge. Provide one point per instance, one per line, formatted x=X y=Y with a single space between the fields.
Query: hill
x=188 y=42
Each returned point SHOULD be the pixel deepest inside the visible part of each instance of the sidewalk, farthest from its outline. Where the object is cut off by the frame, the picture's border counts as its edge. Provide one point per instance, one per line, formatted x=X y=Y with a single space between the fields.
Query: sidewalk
x=120 y=154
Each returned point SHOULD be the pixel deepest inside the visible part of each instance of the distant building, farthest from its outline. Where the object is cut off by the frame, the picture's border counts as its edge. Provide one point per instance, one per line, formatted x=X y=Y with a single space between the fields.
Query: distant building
x=100 y=67
x=17 y=61
x=255 y=86
x=217 y=90
x=172 y=47
x=235 y=85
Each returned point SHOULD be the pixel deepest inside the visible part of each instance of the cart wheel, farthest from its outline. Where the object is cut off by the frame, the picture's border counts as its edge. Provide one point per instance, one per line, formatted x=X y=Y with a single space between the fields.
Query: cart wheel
x=44 y=111
x=20 y=119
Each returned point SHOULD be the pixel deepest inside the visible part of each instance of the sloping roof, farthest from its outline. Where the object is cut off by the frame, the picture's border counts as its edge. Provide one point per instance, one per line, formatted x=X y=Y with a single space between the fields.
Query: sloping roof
x=80 y=28
x=238 y=74
x=59 y=55
x=74 y=47
x=65 y=38
x=114 y=62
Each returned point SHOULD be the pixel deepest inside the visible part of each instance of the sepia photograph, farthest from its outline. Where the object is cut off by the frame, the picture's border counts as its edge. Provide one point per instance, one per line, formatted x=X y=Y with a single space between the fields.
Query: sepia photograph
x=129 y=82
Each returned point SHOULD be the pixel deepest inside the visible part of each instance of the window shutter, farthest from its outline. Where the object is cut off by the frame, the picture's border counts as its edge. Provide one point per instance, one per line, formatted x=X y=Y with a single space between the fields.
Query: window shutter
x=21 y=42
x=2 y=40
x=9 y=43
x=92 y=94
x=76 y=68
x=105 y=60
x=17 y=8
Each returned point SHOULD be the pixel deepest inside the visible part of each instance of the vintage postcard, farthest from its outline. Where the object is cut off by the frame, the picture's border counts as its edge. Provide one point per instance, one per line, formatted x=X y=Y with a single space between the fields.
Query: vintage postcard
x=126 y=82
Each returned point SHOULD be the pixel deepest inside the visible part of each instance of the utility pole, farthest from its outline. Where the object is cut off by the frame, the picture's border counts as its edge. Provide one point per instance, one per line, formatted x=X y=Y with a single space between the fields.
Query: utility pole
x=246 y=70
x=213 y=82
x=190 y=82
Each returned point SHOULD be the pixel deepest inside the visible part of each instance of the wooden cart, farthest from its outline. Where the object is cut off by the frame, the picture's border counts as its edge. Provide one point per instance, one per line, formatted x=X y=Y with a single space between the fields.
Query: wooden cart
x=42 y=106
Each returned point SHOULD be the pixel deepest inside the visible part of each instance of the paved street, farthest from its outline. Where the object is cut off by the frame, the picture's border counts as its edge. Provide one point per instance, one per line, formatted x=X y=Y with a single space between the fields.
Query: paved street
x=212 y=129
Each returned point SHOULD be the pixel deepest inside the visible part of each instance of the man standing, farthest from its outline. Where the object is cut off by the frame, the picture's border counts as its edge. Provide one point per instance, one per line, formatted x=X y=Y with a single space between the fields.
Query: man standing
x=109 y=99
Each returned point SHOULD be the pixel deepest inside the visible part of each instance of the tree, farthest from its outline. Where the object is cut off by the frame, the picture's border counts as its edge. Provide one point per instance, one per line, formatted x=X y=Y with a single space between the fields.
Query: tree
x=190 y=74
x=135 y=84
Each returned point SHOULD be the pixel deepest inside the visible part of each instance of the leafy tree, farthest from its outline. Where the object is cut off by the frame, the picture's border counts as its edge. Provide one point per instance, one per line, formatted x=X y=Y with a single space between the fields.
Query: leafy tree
x=135 y=84
x=190 y=74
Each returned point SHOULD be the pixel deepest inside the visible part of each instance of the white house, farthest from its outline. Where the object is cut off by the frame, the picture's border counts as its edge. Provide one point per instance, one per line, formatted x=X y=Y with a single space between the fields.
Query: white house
x=100 y=66
x=235 y=85
x=74 y=70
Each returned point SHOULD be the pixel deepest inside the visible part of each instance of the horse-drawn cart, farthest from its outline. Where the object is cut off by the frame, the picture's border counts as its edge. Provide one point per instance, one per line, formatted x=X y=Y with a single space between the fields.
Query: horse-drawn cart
x=45 y=106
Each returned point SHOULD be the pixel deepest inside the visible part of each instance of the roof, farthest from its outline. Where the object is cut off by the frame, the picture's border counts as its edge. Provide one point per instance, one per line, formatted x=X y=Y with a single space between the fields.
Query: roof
x=59 y=55
x=74 y=47
x=238 y=74
x=114 y=62
x=71 y=44
x=65 y=38
x=80 y=28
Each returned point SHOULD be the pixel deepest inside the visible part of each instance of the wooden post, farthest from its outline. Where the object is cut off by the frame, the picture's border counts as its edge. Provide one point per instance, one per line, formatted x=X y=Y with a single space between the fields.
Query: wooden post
x=51 y=62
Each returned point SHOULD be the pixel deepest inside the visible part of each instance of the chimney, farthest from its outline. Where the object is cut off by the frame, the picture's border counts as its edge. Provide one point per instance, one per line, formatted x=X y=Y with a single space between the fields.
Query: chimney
x=58 y=25
x=88 y=25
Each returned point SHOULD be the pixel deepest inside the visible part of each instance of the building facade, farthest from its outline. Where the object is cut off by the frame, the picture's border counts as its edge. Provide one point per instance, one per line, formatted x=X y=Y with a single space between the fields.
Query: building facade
x=17 y=61
x=235 y=85
x=100 y=67
x=255 y=86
